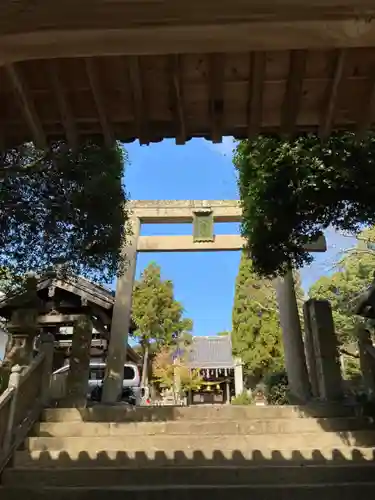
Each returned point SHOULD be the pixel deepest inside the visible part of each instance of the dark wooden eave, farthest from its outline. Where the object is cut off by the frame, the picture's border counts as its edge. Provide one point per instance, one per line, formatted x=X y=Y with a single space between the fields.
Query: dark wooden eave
x=153 y=69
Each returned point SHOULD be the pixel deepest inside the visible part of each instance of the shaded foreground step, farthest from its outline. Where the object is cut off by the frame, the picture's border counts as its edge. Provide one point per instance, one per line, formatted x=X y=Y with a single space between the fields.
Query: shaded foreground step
x=191 y=427
x=168 y=443
x=264 y=457
x=230 y=475
x=344 y=491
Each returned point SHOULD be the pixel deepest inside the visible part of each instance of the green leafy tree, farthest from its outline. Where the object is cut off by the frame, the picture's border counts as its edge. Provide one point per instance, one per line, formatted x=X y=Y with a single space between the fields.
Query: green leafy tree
x=157 y=315
x=355 y=273
x=292 y=189
x=171 y=369
x=64 y=207
x=256 y=333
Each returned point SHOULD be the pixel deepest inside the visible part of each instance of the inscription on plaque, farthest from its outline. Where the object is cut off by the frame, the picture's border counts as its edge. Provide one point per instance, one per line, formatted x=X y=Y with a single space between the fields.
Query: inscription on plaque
x=203 y=226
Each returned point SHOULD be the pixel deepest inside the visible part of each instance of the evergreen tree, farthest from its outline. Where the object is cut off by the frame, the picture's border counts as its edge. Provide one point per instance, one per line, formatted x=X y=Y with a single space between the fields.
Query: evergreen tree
x=256 y=333
x=60 y=206
x=157 y=315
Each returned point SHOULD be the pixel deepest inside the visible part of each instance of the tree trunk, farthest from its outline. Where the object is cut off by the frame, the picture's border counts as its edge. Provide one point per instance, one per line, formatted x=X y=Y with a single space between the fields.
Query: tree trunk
x=145 y=365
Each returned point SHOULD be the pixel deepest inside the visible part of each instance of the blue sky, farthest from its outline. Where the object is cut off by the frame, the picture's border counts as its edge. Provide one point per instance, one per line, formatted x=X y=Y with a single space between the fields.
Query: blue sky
x=204 y=282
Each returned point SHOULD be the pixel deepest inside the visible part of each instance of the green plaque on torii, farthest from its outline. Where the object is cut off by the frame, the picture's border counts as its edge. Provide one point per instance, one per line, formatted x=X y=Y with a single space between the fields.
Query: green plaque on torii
x=203 y=226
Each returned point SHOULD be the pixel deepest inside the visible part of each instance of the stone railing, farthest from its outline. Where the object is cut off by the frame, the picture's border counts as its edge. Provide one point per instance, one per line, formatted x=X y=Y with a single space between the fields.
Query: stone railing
x=23 y=400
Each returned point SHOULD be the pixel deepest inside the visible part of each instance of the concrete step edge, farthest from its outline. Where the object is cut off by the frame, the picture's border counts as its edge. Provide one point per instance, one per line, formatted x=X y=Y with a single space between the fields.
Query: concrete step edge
x=178 y=487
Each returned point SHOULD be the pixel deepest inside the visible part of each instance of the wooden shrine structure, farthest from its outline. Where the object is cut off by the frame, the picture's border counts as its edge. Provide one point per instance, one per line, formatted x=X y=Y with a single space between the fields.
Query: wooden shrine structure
x=152 y=69
x=221 y=372
x=60 y=302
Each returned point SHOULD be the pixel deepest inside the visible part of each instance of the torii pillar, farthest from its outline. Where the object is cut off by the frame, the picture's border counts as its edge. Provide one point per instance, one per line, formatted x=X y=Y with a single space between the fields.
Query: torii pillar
x=294 y=351
x=121 y=319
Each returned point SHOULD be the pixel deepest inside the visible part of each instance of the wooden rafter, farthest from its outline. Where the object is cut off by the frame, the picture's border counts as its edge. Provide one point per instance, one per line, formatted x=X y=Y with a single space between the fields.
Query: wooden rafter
x=330 y=103
x=177 y=97
x=257 y=68
x=367 y=110
x=136 y=83
x=26 y=104
x=97 y=93
x=64 y=105
x=293 y=91
x=216 y=95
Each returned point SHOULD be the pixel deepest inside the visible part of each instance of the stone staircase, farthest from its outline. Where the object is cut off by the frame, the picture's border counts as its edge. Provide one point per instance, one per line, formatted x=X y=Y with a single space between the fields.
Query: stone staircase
x=195 y=453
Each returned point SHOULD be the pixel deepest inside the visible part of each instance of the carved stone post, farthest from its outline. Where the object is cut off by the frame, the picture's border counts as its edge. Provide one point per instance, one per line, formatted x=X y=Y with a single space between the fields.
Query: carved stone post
x=366 y=361
x=47 y=347
x=121 y=318
x=310 y=353
x=79 y=367
x=325 y=357
x=23 y=329
x=295 y=361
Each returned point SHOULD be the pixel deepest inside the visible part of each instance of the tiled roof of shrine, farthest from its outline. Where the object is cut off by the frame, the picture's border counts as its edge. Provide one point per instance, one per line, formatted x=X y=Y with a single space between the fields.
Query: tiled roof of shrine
x=212 y=352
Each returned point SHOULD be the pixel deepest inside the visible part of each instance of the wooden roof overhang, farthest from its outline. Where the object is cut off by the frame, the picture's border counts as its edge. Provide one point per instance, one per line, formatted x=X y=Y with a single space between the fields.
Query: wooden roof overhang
x=153 y=69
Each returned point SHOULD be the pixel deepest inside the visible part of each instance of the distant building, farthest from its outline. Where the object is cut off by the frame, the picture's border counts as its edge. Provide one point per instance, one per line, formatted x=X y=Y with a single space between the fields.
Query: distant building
x=220 y=370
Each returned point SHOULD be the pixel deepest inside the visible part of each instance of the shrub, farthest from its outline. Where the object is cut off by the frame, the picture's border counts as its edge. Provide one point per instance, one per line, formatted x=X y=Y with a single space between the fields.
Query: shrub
x=276 y=385
x=242 y=399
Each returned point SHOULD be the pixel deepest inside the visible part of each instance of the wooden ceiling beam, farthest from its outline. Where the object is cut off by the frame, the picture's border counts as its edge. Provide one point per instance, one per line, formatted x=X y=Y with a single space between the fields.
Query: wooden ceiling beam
x=332 y=93
x=367 y=110
x=177 y=97
x=26 y=104
x=97 y=93
x=66 y=112
x=257 y=70
x=139 y=108
x=293 y=91
x=216 y=68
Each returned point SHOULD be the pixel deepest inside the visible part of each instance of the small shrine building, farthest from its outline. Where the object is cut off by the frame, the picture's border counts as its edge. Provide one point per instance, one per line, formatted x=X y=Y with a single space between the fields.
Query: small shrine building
x=58 y=304
x=221 y=372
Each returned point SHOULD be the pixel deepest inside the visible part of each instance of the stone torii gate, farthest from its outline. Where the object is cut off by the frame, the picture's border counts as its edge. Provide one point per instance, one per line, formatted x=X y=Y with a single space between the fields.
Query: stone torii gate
x=203 y=214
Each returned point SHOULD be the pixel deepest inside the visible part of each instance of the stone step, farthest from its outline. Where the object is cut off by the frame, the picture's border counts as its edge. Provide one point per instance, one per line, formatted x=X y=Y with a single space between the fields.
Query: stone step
x=164 y=442
x=209 y=456
x=343 y=491
x=158 y=476
x=251 y=426
x=212 y=413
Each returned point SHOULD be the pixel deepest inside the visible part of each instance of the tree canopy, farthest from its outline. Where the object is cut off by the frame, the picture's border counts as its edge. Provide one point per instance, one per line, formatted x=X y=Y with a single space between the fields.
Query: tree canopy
x=292 y=189
x=355 y=273
x=256 y=333
x=157 y=315
x=62 y=207
x=171 y=370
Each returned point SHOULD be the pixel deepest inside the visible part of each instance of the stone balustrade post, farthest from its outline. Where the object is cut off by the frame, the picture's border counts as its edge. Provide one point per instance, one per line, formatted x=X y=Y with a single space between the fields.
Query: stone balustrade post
x=14 y=382
x=47 y=347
